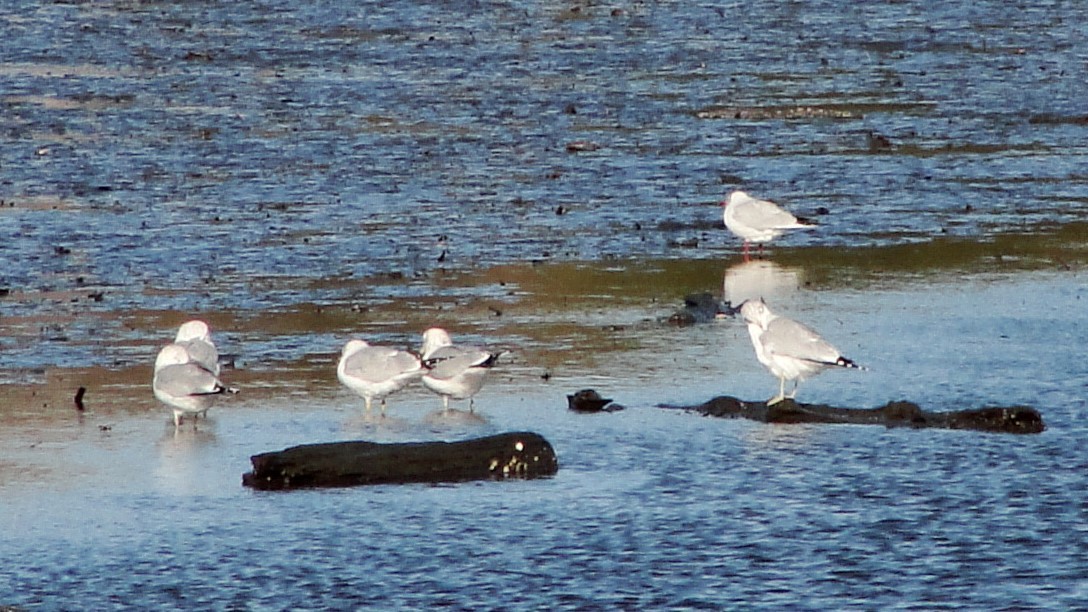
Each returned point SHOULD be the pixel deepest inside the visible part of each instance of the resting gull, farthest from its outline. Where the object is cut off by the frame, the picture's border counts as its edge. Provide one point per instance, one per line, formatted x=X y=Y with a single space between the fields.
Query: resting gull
x=790 y=350
x=376 y=372
x=453 y=371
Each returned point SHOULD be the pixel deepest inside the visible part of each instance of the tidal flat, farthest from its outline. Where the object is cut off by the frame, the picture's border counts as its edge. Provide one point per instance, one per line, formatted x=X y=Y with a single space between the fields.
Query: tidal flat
x=542 y=178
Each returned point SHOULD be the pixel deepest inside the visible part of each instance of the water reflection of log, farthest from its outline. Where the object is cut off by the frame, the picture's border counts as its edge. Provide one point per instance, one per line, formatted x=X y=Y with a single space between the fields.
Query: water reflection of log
x=1012 y=419
x=342 y=464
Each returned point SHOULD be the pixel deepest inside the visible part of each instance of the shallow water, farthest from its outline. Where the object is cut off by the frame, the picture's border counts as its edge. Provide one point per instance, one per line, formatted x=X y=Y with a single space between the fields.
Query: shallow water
x=543 y=178
x=650 y=508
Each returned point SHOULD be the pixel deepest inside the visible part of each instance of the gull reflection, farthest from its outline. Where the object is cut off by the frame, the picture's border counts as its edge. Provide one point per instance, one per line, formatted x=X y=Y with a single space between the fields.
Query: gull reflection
x=759 y=279
x=454 y=419
x=182 y=466
x=377 y=427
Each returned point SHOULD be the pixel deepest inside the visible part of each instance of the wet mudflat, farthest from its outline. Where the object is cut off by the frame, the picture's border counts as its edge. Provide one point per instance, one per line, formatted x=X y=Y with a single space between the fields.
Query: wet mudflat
x=542 y=178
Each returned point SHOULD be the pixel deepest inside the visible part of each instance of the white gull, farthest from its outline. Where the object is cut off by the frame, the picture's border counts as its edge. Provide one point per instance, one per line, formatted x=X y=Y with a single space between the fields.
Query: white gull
x=757 y=220
x=453 y=371
x=184 y=385
x=376 y=372
x=790 y=350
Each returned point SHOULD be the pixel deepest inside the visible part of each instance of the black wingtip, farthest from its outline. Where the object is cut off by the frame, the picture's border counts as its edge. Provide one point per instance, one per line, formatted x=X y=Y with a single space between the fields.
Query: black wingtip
x=849 y=363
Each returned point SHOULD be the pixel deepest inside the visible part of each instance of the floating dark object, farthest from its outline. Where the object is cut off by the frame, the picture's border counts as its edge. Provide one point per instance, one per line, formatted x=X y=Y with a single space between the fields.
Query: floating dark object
x=588 y=400
x=701 y=308
x=1012 y=419
x=578 y=146
x=345 y=464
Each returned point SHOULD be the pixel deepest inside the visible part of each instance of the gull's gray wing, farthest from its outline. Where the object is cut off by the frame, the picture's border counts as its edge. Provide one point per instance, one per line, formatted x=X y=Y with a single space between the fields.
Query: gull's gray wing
x=761 y=214
x=187 y=379
x=788 y=338
x=452 y=361
x=380 y=363
x=203 y=353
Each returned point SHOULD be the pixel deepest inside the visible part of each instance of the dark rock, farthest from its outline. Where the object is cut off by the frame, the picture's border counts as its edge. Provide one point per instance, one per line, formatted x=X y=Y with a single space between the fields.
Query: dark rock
x=588 y=400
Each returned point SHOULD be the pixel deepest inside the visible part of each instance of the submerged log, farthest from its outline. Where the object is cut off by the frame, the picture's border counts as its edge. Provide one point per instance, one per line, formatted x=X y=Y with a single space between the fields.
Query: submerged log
x=344 y=464
x=1011 y=419
x=588 y=400
x=701 y=308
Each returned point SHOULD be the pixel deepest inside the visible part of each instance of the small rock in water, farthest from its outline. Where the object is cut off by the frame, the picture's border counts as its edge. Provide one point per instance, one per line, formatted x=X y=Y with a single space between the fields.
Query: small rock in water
x=588 y=400
x=578 y=146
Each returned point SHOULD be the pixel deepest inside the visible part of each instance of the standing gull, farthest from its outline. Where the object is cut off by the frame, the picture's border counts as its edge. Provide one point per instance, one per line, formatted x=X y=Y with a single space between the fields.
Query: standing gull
x=375 y=372
x=757 y=220
x=790 y=350
x=183 y=384
x=196 y=338
x=454 y=371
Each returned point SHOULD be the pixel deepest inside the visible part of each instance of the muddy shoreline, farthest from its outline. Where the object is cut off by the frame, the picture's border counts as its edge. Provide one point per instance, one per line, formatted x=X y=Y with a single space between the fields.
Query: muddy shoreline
x=524 y=305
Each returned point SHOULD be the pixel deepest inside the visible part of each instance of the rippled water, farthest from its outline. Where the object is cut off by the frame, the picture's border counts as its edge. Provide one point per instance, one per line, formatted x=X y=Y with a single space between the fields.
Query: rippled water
x=650 y=508
x=296 y=173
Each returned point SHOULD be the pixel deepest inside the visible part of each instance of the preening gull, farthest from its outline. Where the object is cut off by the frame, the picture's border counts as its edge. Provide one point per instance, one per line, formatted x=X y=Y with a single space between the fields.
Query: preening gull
x=376 y=372
x=184 y=385
x=790 y=350
x=453 y=371
x=757 y=220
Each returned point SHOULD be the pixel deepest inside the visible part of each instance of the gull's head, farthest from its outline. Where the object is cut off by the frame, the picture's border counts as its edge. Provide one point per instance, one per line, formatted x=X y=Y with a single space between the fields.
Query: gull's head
x=352 y=347
x=193 y=330
x=171 y=354
x=756 y=312
x=735 y=197
x=433 y=339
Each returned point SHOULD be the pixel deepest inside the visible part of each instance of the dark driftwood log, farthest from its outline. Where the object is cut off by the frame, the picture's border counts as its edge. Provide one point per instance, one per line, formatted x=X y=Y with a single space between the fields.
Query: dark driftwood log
x=1013 y=419
x=343 y=464
x=701 y=308
x=588 y=400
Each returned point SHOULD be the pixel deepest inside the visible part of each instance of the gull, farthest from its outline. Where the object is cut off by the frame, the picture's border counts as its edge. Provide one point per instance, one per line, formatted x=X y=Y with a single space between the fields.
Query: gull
x=375 y=372
x=790 y=350
x=757 y=220
x=454 y=371
x=184 y=385
x=196 y=338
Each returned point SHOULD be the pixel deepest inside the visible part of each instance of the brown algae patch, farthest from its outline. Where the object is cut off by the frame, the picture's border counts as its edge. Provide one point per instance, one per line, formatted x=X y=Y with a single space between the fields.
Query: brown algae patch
x=851 y=110
x=38 y=202
x=60 y=71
